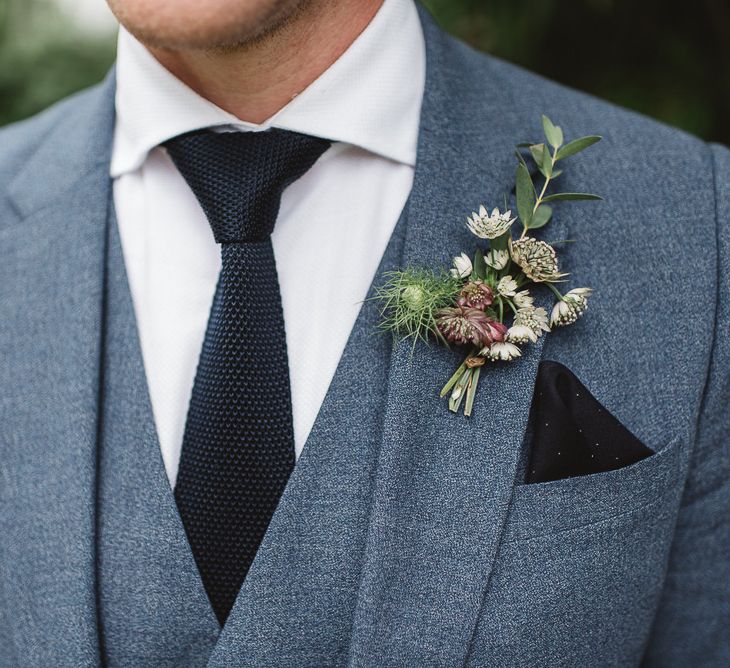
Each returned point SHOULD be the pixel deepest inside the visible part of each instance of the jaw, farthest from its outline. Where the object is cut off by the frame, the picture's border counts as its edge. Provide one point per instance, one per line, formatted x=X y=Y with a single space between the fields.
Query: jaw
x=212 y=25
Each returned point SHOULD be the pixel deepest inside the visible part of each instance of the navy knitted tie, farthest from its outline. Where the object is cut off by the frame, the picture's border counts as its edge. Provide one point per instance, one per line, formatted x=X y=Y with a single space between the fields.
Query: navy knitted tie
x=238 y=447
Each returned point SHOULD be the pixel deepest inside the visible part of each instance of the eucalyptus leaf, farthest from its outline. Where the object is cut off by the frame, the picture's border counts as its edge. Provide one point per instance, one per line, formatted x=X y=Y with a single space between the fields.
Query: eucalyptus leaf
x=525 y=194
x=571 y=196
x=553 y=133
x=480 y=266
x=541 y=217
x=577 y=145
x=547 y=164
x=537 y=151
x=501 y=242
x=521 y=159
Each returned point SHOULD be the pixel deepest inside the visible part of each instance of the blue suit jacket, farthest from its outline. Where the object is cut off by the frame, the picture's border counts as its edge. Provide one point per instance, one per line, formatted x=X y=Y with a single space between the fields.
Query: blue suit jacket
x=435 y=553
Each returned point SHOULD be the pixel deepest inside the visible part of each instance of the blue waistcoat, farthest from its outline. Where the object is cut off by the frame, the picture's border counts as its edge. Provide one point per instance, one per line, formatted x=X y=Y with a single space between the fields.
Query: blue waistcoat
x=153 y=609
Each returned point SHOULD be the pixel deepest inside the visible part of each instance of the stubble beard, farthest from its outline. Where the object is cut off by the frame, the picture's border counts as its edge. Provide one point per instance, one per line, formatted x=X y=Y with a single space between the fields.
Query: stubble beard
x=241 y=34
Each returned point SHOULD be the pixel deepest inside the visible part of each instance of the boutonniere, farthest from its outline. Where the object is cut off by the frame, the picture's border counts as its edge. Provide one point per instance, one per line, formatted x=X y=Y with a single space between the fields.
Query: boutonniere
x=484 y=303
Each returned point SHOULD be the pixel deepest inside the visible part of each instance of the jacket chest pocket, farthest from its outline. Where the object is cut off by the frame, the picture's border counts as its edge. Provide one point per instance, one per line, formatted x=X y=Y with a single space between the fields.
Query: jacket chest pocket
x=581 y=566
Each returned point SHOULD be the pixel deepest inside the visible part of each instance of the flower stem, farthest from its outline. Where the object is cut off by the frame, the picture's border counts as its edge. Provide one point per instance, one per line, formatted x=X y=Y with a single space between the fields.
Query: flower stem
x=555 y=290
x=538 y=201
x=458 y=393
x=471 y=391
x=452 y=381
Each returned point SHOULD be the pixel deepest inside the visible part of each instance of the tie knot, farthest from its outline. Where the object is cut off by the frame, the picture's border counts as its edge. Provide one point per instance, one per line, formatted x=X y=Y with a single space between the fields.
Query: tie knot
x=238 y=177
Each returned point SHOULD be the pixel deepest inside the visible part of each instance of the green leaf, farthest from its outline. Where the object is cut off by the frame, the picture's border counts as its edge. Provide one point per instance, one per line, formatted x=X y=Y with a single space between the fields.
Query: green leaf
x=547 y=164
x=480 y=266
x=577 y=145
x=553 y=133
x=541 y=217
x=537 y=151
x=557 y=173
x=571 y=196
x=525 y=194
x=521 y=159
x=501 y=242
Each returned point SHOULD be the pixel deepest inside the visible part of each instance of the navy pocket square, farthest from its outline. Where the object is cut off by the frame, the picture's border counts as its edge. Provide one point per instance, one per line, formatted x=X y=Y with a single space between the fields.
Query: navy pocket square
x=572 y=433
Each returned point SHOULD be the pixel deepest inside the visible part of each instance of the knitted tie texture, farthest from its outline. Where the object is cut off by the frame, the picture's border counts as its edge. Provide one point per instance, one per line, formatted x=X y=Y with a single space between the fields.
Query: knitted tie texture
x=238 y=446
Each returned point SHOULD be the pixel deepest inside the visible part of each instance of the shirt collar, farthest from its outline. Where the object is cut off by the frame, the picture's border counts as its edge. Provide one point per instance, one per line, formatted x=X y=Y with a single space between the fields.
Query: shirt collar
x=370 y=97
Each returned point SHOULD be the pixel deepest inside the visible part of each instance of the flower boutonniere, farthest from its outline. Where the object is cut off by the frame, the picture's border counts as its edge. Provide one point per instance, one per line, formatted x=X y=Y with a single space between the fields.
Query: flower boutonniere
x=484 y=303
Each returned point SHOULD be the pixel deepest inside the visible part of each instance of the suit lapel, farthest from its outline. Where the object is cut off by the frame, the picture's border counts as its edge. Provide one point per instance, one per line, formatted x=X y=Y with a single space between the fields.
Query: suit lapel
x=51 y=289
x=443 y=481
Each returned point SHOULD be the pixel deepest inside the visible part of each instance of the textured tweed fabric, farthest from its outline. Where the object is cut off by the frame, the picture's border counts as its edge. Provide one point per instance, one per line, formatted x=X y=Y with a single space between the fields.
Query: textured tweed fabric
x=405 y=536
x=238 y=447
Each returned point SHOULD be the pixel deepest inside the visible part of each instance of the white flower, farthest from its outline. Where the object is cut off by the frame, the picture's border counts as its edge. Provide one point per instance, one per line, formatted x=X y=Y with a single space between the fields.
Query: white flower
x=462 y=266
x=571 y=307
x=497 y=259
x=507 y=286
x=534 y=318
x=523 y=298
x=501 y=350
x=536 y=258
x=489 y=226
x=521 y=334
x=563 y=314
x=579 y=295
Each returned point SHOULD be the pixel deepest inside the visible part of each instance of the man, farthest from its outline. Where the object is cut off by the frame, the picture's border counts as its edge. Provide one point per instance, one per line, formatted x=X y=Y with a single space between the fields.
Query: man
x=404 y=535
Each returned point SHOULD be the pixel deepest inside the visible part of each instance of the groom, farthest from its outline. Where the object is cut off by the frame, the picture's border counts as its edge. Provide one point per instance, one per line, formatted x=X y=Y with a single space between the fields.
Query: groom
x=269 y=481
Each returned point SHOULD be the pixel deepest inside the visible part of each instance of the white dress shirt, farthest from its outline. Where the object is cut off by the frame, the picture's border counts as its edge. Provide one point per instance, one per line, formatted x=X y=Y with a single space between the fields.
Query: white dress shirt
x=333 y=225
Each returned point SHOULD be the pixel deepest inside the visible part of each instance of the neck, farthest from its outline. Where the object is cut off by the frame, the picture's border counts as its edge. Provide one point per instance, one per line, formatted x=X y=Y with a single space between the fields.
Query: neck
x=256 y=80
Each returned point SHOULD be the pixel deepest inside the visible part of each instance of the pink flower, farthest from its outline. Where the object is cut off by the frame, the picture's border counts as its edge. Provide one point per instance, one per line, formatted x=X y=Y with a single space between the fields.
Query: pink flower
x=496 y=332
x=476 y=294
x=463 y=324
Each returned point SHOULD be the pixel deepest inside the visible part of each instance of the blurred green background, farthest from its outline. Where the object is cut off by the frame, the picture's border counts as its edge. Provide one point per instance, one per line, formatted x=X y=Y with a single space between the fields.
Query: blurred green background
x=666 y=58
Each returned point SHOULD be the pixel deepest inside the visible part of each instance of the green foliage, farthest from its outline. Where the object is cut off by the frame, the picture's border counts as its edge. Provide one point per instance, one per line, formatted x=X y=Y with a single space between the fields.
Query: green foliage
x=665 y=58
x=43 y=59
x=531 y=206
x=525 y=194
x=570 y=196
x=409 y=300
x=480 y=266
x=577 y=145
x=542 y=216
x=553 y=133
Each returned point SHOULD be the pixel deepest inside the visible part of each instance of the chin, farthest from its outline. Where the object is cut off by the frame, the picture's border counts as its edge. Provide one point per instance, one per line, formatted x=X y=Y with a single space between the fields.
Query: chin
x=191 y=24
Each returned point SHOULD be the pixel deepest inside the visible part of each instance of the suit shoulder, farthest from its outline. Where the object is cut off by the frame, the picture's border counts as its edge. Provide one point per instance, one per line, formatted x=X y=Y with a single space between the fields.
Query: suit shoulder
x=19 y=141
